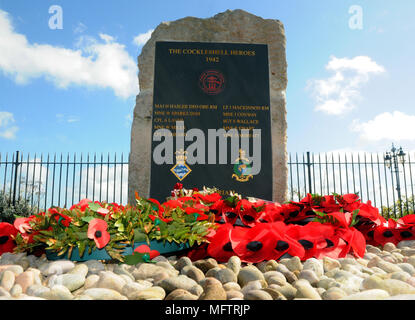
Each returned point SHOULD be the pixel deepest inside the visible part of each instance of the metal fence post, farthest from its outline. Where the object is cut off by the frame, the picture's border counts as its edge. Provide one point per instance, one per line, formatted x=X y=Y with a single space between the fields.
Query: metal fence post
x=309 y=172
x=16 y=165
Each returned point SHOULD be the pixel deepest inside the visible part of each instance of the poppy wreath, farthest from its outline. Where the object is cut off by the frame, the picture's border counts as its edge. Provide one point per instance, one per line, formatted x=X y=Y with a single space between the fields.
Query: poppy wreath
x=91 y=225
x=316 y=226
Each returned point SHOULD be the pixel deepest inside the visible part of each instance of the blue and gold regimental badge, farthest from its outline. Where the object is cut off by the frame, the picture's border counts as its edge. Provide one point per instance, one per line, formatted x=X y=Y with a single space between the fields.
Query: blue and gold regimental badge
x=242 y=168
x=181 y=170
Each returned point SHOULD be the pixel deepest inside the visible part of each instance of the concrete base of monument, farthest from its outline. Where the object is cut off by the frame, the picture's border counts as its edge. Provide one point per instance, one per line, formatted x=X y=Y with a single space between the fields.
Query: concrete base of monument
x=101 y=254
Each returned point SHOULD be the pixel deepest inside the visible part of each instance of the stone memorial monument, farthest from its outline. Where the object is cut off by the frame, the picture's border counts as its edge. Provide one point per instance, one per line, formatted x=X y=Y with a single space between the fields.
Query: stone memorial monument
x=232 y=29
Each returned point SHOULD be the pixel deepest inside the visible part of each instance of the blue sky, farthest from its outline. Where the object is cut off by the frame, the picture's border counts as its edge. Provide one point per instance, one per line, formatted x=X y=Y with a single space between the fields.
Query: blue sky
x=348 y=89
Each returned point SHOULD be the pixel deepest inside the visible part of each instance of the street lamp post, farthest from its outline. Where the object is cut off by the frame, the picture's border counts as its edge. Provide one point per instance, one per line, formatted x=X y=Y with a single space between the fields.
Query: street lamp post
x=392 y=159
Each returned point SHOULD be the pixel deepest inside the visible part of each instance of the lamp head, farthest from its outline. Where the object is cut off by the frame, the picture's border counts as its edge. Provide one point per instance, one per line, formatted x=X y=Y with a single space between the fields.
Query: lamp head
x=388 y=159
x=401 y=155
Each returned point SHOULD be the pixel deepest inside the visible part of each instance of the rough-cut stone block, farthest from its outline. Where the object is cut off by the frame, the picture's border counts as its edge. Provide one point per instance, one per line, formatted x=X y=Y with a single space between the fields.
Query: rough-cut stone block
x=232 y=26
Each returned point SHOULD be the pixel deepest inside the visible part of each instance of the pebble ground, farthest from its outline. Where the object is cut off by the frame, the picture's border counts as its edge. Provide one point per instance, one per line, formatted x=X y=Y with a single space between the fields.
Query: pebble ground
x=382 y=274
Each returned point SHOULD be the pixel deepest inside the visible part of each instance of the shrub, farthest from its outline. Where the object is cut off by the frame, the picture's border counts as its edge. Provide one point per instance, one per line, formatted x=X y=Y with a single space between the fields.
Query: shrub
x=399 y=208
x=8 y=211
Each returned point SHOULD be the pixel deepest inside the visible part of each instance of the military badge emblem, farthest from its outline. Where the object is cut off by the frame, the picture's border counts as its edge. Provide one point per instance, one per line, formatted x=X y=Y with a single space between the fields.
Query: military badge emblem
x=181 y=170
x=242 y=168
x=212 y=82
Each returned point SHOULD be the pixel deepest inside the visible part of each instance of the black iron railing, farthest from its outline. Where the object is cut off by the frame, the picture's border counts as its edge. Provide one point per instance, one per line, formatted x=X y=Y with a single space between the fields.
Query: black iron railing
x=367 y=174
x=62 y=180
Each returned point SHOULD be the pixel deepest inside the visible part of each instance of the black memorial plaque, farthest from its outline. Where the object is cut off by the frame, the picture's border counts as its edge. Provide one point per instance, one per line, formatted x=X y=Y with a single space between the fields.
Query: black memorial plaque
x=212 y=86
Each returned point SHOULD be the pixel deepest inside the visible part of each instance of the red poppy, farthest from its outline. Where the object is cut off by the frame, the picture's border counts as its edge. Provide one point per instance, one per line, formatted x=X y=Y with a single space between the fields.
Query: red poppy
x=282 y=243
x=312 y=237
x=309 y=203
x=159 y=210
x=156 y=206
x=307 y=200
x=201 y=207
x=272 y=213
x=146 y=249
x=229 y=212
x=199 y=252
x=82 y=205
x=369 y=213
x=185 y=199
x=153 y=218
x=253 y=244
x=406 y=227
x=349 y=202
x=220 y=246
x=350 y=198
x=216 y=209
x=155 y=201
x=60 y=218
x=306 y=209
x=173 y=204
x=249 y=212
x=332 y=245
x=199 y=214
x=387 y=232
x=103 y=211
x=29 y=237
x=7 y=231
x=22 y=224
x=405 y=233
x=24 y=228
x=207 y=199
x=342 y=219
x=306 y=214
x=298 y=213
x=116 y=207
x=355 y=241
x=408 y=220
x=368 y=231
x=97 y=230
x=291 y=210
x=329 y=204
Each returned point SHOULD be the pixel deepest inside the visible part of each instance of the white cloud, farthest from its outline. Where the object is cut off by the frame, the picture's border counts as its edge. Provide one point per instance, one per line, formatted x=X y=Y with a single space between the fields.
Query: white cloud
x=67 y=118
x=104 y=183
x=376 y=29
x=107 y=38
x=7 y=129
x=142 y=38
x=34 y=171
x=129 y=120
x=339 y=93
x=395 y=126
x=99 y=64
x=72 y=119
x=80 y=28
